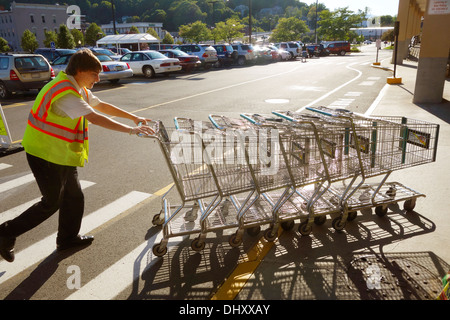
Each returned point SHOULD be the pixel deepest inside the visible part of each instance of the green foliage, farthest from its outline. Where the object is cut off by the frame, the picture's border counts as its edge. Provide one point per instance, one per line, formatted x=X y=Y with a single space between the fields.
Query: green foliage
x=65 y=38
x=336 y=25
x=289 y=29
x=93 y=33
x=4 y=47
x=50 y=36
x=195 y=32
x=228 y=30
x=29 y=42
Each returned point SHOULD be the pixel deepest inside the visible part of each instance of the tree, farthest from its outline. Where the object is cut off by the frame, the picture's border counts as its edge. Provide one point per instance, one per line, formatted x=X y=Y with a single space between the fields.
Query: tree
x=28 y=41
x=336 y=25
x=93 y=33
x=4 y=47
x=195 y=32
x=168 y=39
x=154 y=33
x=50 y=36
x=65 y=38
x=77 y=37
x=289 y=29
x=228 y=30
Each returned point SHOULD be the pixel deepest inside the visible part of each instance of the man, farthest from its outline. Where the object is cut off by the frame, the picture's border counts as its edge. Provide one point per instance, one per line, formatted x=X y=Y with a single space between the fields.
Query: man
x=56 y=143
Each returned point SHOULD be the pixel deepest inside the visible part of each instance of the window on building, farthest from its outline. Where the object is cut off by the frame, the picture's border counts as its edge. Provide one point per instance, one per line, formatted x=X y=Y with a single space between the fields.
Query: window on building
x=43 y=19
x=32 y=18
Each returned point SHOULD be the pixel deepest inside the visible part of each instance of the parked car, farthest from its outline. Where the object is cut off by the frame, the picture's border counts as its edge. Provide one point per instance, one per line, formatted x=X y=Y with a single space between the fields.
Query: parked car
x=292 y=47
x=22 y=72
x=316 y=50
x=151 y=62
x=263 y=54
x=161 y=46
x=338 y=47
x=106 y=51
x=120 y=51
x=206 y=53
x=282 y=54
x=52 y=54
x=112 y=70
x=226 y=54
x=245 y=53
x=188 y=62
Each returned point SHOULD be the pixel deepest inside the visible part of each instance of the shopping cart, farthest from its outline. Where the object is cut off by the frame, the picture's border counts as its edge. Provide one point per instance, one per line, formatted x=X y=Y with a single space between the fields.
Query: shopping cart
x=304 y=161
x=384 y=144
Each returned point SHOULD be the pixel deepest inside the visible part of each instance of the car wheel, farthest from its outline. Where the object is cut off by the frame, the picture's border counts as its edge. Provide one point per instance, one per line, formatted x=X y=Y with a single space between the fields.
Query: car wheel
x=342 y=53
x=148 y=72
x=241 y=61
x=114 y=81
x=4 y=92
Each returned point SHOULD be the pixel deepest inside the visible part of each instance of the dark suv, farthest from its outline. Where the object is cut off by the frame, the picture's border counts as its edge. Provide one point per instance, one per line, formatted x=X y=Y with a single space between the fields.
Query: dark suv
x=22 y=72
x=226 y=54
x=338 y=47
x=52 y=54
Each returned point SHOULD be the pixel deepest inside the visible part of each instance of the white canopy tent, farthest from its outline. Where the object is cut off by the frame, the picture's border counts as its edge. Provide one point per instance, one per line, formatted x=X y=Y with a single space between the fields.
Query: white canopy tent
x=118 y=39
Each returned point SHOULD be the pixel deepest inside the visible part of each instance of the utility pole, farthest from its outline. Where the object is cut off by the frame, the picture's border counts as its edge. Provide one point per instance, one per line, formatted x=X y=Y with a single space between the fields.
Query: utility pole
x=113 y=17
x=250 y=21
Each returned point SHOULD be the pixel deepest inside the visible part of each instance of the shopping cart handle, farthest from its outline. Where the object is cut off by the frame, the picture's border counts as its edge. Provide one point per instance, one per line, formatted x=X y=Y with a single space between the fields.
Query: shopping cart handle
x=248 y=119
x=283 y=116
x=211 y=118
x=156 y=129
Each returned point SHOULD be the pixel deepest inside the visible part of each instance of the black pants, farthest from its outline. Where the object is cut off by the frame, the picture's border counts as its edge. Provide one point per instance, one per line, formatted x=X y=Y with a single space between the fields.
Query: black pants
x=61 y=190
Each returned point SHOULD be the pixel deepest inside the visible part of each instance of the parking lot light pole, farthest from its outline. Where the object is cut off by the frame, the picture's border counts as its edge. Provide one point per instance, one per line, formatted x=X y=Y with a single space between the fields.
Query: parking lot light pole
x=250 y=21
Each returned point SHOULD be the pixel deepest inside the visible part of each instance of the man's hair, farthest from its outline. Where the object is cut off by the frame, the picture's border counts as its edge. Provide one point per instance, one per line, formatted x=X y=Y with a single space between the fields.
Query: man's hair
x=83 y=60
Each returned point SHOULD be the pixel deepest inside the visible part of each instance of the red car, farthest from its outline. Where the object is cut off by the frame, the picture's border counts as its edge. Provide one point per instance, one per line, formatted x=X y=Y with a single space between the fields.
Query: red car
x=188 y=62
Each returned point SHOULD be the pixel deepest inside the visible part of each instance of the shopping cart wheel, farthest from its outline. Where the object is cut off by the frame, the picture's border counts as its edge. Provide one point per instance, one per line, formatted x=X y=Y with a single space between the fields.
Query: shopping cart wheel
x=270 y=235
x=380 y=211
x=409 y=205
x=288 y=225
x=197 y=244
x=320 y=220
x=158 y=251
x=253 y=231
x=305 y=228
x=352 y=215
x=234 y=240
x=156 y=221
x=338 y=224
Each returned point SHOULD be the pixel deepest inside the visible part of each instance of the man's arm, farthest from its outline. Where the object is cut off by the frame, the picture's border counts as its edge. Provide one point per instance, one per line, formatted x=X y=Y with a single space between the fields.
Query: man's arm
x=112 y=110
x=108 y=123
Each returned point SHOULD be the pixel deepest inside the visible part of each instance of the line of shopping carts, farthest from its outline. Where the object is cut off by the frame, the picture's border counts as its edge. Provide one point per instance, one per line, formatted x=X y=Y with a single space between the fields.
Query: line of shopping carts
x=271 y=170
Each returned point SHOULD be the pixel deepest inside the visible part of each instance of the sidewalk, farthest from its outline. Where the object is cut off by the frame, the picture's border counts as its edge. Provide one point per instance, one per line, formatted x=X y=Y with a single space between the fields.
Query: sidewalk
x=400 y=256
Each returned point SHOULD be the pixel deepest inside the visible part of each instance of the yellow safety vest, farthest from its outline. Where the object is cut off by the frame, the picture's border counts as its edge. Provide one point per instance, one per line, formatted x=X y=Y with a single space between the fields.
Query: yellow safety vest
x=54 y=138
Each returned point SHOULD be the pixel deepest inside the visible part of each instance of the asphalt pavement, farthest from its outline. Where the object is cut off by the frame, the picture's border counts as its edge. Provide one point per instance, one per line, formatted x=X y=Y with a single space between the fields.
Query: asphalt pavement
x=401 y=256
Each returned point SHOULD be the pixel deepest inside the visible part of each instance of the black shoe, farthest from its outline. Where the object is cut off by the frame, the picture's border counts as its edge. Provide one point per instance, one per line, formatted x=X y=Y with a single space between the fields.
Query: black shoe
x=7 y=248
x=78 y=241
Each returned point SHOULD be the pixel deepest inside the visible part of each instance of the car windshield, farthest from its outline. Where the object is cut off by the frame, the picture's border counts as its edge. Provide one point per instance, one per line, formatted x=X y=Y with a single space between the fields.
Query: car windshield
x=104 y=58
x=179 y=53
x=31 y=63
x=155 y=55
x=104 y=51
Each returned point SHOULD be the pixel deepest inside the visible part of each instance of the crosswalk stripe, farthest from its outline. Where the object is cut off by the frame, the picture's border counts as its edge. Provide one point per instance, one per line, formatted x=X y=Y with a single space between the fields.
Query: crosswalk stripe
x=45 y=247
x=16 y=182
x=107 y=285
x=14 y=212
x=4 y=166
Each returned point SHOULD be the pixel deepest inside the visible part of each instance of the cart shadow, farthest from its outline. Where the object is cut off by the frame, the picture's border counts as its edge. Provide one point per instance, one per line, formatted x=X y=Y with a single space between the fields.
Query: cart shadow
x=318 y=266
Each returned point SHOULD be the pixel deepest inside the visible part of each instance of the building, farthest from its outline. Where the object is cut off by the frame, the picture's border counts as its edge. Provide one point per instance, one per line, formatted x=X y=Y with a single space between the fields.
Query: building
x=123 y=28
x=37 y=18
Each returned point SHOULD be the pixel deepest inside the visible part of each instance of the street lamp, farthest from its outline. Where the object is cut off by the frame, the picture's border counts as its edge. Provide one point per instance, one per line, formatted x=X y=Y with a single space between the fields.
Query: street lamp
x=213 y=2
x=250 y=21
x=315 y=29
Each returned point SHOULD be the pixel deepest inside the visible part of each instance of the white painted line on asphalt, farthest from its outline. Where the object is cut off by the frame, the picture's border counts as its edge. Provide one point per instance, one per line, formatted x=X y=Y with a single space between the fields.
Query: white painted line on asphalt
x=107 y=285
x=43 y=248
x=374 y=105
x=14 y=212
x=16 y=182
x=335 y=89
x=4 y=166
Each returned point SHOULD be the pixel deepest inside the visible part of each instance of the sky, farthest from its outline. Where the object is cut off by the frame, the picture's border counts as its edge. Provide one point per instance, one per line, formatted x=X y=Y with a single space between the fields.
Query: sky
x=377 y=7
